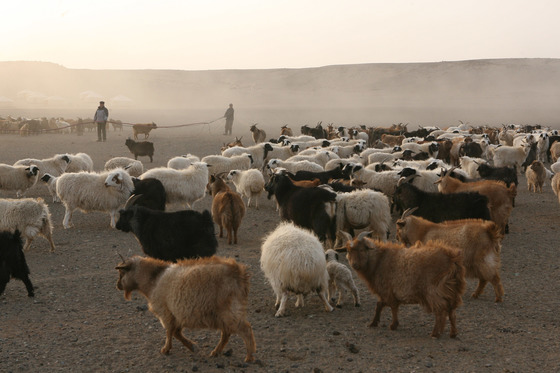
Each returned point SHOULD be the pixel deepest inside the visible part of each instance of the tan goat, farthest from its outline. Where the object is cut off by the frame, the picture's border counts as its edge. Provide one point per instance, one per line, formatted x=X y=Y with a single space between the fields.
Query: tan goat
x=499 y=196
x=205 y=293
x=143 y=129
x=556 y=185
x=536 y=175
x=228 y=207
x=258 y=134
x=478 y=240
x=392 y=140
x=431 y=275
x=286 y=131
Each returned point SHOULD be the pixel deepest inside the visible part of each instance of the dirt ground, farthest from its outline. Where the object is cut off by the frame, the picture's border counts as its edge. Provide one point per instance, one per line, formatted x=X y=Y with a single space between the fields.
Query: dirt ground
x=79 y=321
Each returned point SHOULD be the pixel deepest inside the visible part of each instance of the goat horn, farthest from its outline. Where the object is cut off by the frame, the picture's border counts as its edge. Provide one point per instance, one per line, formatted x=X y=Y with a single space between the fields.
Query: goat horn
x=408 y=212
x=406 y=179
x=122 y=258
x=363 y=234
x=130 y=201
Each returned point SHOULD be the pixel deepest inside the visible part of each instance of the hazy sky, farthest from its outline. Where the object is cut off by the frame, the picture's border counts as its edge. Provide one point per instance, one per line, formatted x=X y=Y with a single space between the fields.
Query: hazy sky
x=243 y=34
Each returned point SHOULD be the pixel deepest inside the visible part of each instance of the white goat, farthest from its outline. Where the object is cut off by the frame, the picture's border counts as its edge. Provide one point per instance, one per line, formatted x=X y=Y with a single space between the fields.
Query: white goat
x=133 y=167
x=510 y=156
x=294 y=167
x=28 y=215
x=182 y=186
x=248 y=183
x=340 y=277
x=18 y=178
x=292 y=260
x=105 y=192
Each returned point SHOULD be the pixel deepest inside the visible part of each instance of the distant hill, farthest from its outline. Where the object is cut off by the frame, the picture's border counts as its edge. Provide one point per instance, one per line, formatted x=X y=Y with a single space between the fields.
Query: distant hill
x=479 y=91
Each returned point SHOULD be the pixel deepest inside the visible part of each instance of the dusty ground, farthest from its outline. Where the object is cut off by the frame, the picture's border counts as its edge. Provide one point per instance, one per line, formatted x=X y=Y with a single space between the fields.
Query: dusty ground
x=79 y=321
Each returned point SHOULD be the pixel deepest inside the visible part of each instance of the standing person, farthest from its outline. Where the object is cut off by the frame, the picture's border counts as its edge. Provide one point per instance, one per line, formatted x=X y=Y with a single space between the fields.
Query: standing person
x=229 y=119
x=100 y=117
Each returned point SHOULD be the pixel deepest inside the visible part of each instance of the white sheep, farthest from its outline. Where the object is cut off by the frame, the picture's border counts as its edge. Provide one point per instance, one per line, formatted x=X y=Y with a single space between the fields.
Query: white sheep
x=50 y=182
x=294 y=167
x=18 y=178
x=79 y=162
x=28 y=215
x=335 y=163
x=248 y=183
x=284 y=152
x=363 y=209
x=182 y=161
x=385 y=181
x=346 y=151
x=182 y=186
x=321 y=158
x=340 y=277
x=259 y=152
x=90 y=191
x=292 y=260
x=134 y=167
x=218 y=163
x=55 y=165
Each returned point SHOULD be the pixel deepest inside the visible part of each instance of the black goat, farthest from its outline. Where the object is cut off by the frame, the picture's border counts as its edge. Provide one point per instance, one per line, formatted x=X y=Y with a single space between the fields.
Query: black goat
x=170 y=235
x=531 y=156
x=470 y=149
x=140 y=148
x=306 y=207
x=318 y=132
x=151 y=193
x=12 y=261
x=506 y=174
x=324 y=176
x=438 y=207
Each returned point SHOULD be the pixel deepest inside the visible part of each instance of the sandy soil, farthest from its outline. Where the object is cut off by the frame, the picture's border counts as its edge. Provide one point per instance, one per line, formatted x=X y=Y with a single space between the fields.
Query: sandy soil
x=79 y=321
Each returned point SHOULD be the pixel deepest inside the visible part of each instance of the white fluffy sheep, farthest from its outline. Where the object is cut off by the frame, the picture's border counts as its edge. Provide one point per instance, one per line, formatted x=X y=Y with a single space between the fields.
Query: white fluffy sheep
x=182 y=161
x=321 y=158
x=79 y=162
x=340 y=277
x=385 y=181
x=363 y=209
x=50 y=182
x=18 y=178
x=293 y=260
x=335 y=163
x=218 y=163
x=181 y=186
x=90 y=191
x=284 y=152
x=28 y=215
x=248 y=183
x=55 y=165
x=134 y=167
x=294 y=167
x=259 y=152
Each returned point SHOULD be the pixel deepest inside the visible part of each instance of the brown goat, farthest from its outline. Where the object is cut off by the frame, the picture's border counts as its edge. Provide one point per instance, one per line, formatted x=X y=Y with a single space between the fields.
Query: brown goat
x=143 y=128
x=306 y=183
x=236 y=142
x=228 y=208
x=392 y=139
x=286 y=131
x=258 y=134
x=478 y=240
x=536 y=175
x=431 y=275
x=205 y=293
x=500 y=197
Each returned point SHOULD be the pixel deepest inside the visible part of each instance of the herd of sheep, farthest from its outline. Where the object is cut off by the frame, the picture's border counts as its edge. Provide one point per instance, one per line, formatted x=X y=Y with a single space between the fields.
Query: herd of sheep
x=453 y=189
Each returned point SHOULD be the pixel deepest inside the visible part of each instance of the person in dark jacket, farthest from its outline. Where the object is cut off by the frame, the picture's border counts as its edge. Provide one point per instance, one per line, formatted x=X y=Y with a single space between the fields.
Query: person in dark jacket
x=100 y=118
x=229 y=120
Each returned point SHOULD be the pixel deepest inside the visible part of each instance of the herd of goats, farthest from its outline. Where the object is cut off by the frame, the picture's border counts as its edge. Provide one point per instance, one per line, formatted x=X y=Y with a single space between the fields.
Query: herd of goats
x=451 y=188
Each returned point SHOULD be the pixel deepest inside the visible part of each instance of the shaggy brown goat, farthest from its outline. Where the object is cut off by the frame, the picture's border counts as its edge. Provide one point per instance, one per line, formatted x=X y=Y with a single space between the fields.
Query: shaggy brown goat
x=478 y=240
x=286 y=131
x=205 y=293
x=431 y=275
x=258 y=134
x=536 y=175
x=228 y=207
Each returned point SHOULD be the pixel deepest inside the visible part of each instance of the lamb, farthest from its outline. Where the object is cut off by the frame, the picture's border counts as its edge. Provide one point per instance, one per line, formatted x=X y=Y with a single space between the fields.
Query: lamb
x=248 y=183
x=55 y=165
x=182 y=161
x=208 y=293
x=294 y=167
x=259 y=153
x=182 y=186
x=141 y=148
x=18 y=178
x=292 y=260
x=258 y=134
x=478 y=240
x=340 y=278
x=79 y=162
x=219 y=164
x=169 y=235
x=105 y=192
x=29 y=216
x=363 y=209
x=228 y=208
x=431 y=275
x=12 y=262
x=133 y=167
x=536 y=175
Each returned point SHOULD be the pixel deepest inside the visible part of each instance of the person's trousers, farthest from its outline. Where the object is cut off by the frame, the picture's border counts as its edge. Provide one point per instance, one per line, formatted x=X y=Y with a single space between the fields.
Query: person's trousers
x=102 y=131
